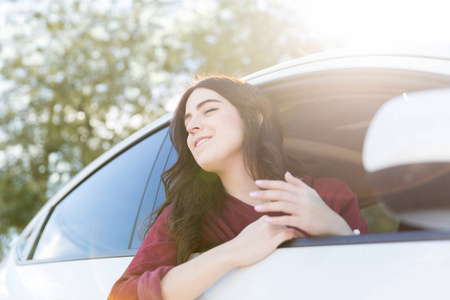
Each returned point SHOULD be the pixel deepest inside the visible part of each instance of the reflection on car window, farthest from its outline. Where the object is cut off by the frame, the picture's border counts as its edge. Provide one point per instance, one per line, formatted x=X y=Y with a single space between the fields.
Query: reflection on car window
x=99 y=215
x=160 y=197
x=22 y=246
x=154 y=190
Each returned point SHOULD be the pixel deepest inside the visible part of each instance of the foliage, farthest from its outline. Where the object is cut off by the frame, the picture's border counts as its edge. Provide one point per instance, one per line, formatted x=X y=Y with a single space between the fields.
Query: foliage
x=241 y=37
x=76 y=77
x=79 y=80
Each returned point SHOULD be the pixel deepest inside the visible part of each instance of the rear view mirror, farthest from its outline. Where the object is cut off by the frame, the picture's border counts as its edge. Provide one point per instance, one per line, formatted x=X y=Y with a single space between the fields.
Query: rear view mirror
x=407 y=157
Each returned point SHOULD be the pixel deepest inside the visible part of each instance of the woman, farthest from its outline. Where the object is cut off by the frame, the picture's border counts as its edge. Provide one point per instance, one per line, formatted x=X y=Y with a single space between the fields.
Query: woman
x=229 y=196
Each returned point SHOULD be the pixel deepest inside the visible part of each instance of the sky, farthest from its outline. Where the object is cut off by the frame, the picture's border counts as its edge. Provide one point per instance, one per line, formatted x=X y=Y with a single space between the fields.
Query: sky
x=363 y=23
x=382 y=22
x=356 y=23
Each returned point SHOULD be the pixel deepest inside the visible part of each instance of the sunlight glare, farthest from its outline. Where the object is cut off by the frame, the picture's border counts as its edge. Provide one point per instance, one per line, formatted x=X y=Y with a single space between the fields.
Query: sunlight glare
x=383 y=22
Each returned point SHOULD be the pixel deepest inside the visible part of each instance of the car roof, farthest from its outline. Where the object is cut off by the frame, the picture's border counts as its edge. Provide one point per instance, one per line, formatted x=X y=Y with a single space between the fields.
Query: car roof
x=396 y=56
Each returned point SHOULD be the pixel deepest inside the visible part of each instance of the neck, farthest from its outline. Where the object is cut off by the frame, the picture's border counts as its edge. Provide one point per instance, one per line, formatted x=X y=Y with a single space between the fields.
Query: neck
x=238 y=183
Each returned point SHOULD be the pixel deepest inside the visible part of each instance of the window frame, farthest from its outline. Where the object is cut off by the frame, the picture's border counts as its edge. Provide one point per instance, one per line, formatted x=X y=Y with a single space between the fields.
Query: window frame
x=159 y=166
x=373 y=238
x=370 y=238
x=25 y=258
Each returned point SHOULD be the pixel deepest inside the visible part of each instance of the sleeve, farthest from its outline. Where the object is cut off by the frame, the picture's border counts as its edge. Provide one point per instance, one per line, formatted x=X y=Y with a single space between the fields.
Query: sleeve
x=340 y=198
x=155 y=257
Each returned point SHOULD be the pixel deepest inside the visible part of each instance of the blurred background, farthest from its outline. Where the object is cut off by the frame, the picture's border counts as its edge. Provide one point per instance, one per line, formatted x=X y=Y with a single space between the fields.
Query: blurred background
x=78 y=76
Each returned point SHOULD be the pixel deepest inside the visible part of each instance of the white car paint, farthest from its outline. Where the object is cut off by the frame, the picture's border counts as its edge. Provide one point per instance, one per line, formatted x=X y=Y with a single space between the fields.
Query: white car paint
x=378 y=271
x=78 y=279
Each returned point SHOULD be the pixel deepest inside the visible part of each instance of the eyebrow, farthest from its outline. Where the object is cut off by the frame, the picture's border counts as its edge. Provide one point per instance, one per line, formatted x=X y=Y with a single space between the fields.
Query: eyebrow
x=200 y=105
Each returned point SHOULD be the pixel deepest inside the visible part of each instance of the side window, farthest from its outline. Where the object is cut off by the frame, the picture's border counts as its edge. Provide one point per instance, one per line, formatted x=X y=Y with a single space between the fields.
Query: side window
x=98 y=217
x=26 y=244
x=21 y=248
x=154 y=194
x=161 y=193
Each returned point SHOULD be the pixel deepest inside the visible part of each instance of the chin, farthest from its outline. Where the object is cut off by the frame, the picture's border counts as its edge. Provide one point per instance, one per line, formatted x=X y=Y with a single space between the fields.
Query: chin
x=208 y=168
x=209 y=165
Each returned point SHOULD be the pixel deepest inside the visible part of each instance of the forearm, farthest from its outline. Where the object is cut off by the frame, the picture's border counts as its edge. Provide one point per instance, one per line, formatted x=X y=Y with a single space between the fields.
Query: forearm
x=190 y=279
x=254 y=243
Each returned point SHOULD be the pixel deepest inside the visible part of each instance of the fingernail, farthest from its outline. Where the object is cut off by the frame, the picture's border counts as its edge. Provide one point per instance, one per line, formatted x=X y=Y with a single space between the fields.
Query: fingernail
x=258 y=207
x=289 y=173
x=259 y=182
x=269 y=219
x=253 y=194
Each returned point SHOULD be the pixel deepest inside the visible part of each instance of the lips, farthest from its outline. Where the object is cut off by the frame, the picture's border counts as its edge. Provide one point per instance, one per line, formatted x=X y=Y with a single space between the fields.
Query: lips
x=201 y=140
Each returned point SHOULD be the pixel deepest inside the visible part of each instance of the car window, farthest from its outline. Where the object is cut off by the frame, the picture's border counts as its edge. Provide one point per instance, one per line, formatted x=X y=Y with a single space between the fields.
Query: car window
x=26 y=244
x=98 y=217
x=22 y=246
x=160 y=196
x=155 y=194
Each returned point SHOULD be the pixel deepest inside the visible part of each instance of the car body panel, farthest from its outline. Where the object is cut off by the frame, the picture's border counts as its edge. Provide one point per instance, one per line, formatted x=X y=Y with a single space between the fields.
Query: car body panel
x=77 y=279
x=378 y=271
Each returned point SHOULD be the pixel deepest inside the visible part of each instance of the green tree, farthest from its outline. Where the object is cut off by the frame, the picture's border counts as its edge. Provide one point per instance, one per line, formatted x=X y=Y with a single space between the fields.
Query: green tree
x=241 y=37
x=77 y=78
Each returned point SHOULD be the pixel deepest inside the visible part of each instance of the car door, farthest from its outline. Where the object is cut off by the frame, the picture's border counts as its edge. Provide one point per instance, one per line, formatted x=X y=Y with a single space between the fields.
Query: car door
x=84 y=242
x=327 y=103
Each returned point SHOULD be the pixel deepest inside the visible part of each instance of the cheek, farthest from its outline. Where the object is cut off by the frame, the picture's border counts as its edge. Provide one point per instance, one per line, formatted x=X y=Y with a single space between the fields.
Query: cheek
x=234 y=120
x=189 y=143
x=234 y=133
x=239 y=128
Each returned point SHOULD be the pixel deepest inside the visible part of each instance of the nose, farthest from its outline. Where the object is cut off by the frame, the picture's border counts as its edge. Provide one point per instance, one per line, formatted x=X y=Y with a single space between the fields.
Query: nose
x=193 y=125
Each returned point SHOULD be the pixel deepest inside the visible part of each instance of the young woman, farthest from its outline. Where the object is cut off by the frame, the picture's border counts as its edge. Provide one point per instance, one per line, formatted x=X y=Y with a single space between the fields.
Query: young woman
x=229 y=196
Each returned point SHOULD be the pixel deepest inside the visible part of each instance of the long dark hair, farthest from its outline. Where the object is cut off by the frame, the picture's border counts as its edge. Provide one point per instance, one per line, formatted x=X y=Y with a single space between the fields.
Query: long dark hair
x=193 y=192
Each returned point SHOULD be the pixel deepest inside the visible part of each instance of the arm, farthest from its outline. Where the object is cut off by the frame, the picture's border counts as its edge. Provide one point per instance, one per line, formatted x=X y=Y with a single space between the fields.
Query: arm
x=190 y=279
x=152 y=274
x=255 y=242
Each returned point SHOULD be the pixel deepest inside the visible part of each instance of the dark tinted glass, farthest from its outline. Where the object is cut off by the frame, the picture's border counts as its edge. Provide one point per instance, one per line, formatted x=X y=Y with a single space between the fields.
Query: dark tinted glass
x=98 y=217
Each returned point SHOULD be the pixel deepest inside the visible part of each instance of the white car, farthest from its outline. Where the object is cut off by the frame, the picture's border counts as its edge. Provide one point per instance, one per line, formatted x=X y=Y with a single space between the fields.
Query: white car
x=82 y=240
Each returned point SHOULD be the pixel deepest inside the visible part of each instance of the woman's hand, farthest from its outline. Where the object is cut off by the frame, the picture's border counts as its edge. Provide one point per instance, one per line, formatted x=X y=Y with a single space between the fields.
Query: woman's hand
x=305 y=209
x=258 y=240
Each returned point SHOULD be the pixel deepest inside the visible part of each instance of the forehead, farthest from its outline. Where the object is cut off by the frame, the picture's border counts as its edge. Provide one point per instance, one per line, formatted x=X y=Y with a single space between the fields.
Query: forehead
x=201 y=94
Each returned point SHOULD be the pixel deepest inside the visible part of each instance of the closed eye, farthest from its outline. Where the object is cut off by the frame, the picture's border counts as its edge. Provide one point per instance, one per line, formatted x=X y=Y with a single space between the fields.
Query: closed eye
x=209 y=110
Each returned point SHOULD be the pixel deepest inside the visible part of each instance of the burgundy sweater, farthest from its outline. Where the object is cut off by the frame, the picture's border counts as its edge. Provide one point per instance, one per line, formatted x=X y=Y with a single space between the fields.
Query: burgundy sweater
x=156 y=256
